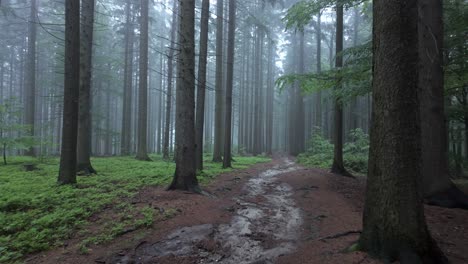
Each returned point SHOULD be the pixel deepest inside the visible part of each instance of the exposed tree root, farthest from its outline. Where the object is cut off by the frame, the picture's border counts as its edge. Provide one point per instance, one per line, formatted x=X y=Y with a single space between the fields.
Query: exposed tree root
x=451 y=198
x=85 y=170
x=434 y=256
x=347 y=233
x=188 y=188
x=340 y=170
x=408 y=255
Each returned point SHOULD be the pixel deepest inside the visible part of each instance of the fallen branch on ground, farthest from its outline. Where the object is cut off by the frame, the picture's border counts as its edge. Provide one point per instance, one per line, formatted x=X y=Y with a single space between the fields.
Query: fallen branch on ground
x=347 y=233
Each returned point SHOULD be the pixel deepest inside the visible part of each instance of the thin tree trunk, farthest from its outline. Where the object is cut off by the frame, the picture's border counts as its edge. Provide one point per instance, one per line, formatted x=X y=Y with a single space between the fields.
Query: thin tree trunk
x=229 y=84
x=30 y=102
x=84 y=116
x=142 y=151
x=338 y=164
x=318 y=104
x=160 y=108
x=200 y=115
x=128 y=74
x=170 y=61
x=219 y=93
x=108 y=145
x=257 y=87
x=67 y=171
x=354 y=115
x=270 y=100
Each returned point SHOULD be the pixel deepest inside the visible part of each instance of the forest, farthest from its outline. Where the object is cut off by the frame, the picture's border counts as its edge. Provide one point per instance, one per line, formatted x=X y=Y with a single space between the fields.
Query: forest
x=234 y=131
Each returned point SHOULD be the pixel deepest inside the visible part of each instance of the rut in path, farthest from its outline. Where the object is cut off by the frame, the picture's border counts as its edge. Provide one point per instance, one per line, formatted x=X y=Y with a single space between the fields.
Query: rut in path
x=258 y=232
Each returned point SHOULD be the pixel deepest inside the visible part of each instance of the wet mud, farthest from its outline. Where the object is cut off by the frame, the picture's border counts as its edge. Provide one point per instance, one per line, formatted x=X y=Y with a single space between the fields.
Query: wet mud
x=266 y=224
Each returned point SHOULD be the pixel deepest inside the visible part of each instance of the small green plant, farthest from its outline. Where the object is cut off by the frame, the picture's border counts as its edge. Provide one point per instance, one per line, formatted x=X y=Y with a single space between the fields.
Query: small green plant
x=320 y=152
x=13 y=134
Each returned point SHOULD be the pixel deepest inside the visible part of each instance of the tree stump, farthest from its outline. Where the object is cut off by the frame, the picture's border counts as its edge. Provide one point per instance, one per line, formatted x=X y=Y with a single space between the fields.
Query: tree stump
x=29 y=167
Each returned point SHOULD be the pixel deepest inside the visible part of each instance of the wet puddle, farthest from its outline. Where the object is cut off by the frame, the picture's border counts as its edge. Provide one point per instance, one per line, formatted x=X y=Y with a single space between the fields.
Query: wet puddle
x=258 y=233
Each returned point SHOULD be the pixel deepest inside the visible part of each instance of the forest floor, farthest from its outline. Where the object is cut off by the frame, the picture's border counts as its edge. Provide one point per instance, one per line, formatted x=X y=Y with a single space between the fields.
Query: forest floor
x=276 y=212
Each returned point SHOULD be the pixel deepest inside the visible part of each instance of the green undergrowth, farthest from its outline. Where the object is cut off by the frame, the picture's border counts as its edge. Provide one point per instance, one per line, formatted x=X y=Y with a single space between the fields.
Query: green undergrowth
x=462 y=184
x=355 y=152
x=36 y=214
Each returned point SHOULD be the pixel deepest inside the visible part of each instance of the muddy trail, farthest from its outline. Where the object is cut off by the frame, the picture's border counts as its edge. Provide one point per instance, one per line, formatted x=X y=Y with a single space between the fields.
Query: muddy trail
x=265 y=225
x=276 y=212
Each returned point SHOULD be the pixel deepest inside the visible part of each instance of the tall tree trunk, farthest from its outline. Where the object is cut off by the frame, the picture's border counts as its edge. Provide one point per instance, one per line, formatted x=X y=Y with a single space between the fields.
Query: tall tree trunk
x=257 y=95
x=30 y=102
x=242 y=99
x=108 y=139
x=318 y=103
x=270 y=100
x=185 y=174
x=299 y=104
x=67 y=171
x=438 y=189
x=1 y=102
x=219 y=91
x=394 y=226
x=229 y=84
x=338 y=164
x=142 y=151
x=170 y=61
x=354 y=114
x=160 y=107
x=200 y=115
x=84 y=105
x=125 y=147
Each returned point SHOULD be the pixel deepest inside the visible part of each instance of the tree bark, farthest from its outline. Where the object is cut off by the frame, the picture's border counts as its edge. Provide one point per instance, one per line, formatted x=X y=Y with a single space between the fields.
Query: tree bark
x=170 y=61
x=185 y=174
x=270 y=99
x=438 y=188
x=125 y=147
x=200 y=115
x=338 y=164
x=30 y=102
x=219 y=93
x=67 y=171
x=394 y=226
x=318 y=105
x=84 y=105
x=229 y=83
x=257 y=86
x=142 y=150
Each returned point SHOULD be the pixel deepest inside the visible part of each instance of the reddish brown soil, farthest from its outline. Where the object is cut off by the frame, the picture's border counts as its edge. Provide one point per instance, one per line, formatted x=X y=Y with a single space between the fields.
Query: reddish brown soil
x=329 y=205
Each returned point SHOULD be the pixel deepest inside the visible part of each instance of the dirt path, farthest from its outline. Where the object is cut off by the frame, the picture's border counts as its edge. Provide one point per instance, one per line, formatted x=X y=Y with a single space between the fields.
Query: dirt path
x=264 y=225
x=277 y=212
